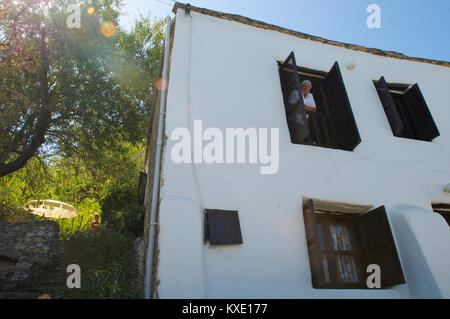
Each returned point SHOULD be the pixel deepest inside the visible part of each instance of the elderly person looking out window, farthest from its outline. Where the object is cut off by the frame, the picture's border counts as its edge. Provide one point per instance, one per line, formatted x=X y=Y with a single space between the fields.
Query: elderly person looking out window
x=296 y=118
x=308 y=99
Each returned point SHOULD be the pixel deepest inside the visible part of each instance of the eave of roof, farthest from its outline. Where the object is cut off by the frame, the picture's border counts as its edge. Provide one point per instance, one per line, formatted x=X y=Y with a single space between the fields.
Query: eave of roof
x=263 y=25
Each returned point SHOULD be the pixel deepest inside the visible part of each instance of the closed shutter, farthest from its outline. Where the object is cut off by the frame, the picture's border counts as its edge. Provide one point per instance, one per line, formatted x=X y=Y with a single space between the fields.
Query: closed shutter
x=341 y=110
x=422 y=116
x=141 y=188
x=380 y=246
x=290 y=82
x=312 y=239
x=223 y=227
x=389 y=107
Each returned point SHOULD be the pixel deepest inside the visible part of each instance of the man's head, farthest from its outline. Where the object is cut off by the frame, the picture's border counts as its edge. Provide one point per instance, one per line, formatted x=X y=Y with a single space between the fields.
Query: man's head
x=306 y=87
x=96 y=217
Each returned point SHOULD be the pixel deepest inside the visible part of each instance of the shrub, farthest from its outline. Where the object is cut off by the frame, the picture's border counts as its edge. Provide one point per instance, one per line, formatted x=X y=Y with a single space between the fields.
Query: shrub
x=107 y=261
x=12 y=214
x=122 y=211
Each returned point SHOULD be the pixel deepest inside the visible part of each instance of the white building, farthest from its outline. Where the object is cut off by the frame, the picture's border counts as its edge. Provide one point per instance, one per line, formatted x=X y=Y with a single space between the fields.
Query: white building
x=363 y=149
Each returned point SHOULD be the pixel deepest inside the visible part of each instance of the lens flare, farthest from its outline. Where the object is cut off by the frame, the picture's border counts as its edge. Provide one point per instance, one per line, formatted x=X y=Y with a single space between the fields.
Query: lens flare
x=91 y=10
x=161 y=84
x=108 y=29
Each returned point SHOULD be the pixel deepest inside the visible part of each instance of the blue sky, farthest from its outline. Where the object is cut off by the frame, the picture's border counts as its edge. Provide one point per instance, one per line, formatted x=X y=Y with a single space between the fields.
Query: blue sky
x=416 y=28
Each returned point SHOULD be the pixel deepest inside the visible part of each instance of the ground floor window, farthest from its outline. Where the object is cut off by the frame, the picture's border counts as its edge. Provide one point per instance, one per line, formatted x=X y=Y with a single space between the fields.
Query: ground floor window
x=341 y=254
x=342 y=245
x=443 y=209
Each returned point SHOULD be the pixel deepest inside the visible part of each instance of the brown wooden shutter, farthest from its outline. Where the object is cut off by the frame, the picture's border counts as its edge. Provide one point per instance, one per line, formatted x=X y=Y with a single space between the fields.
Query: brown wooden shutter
x=223 y=227
x=380 y=246
x=141 y=188
x=341 y=109
x=312 y=239
x=290 y=82
x=389 y=107
x=422 y=116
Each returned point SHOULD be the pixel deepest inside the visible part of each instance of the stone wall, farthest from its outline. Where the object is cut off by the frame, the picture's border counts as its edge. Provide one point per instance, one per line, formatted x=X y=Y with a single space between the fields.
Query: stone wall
x=27 y=249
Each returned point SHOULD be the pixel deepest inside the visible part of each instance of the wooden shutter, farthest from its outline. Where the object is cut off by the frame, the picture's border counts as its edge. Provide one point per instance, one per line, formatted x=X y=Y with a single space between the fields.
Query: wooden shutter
x=389 y=107
x=312 y=239
x=341 y=110
x=422 y=116
x=223 y=227
x=141 y=188
x=380 y=246
x=290 y=82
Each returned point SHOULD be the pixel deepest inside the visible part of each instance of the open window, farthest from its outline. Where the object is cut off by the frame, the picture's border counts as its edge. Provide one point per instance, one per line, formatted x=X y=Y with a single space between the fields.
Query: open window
x=443 y=210
x=222 y=227
x=342 y=245
x=406 y=110
x=332 y=124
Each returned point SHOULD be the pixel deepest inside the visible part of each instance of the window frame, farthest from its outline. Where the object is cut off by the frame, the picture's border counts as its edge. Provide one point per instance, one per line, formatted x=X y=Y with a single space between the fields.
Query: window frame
x=351 y=222
x=335 y=128
x=409 y=107
x=375 y=241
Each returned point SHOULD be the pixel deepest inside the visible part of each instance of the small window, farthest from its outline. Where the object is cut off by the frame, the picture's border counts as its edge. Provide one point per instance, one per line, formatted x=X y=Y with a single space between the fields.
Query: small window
x=406 y=110
x=222 y=227
x=329 y=121
x=141 y=187
x=443 y=209
x=342 y=245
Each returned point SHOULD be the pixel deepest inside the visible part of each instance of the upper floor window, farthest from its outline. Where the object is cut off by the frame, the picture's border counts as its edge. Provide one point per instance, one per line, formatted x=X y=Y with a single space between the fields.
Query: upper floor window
x=406 y=110
x=323 y=115
x=342 y=245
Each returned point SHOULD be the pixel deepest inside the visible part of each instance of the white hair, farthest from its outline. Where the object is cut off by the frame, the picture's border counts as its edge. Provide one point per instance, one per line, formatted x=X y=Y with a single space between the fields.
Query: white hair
x=306 y=81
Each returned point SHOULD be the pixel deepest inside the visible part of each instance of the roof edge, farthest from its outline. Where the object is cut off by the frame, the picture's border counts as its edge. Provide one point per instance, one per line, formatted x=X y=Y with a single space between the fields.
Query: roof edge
x=267 y=26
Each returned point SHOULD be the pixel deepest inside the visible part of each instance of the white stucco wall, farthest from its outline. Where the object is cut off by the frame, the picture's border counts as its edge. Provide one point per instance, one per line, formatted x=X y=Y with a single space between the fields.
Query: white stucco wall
x=225 y=74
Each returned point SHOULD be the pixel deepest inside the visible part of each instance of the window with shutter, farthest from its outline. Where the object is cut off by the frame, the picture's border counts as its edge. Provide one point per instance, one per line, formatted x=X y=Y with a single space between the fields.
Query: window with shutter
x=422 y=116
x=389 y=107
x=294 y=107
x=342 y=111
x=141 y=188
x=406 y=110
x=330 y=123
x=380 y=247
x=317 y=260
x=222 y=227
x=342 y=245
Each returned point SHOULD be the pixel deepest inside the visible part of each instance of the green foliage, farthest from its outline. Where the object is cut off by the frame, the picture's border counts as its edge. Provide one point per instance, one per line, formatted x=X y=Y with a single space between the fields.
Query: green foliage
x=11 y=214
x=122 y=211
x=102 y=283
x=98 y=91
x=107 y=263
x=86 y=210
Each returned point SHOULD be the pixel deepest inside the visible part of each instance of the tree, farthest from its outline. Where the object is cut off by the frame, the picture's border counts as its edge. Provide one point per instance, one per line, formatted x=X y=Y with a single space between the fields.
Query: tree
x=72 y=91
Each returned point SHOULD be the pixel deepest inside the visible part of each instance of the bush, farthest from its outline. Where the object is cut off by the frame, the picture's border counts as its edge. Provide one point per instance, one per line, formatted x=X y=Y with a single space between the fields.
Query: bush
x=81 y=223
x=12 y=214
x=107 y=262
x=122 y=212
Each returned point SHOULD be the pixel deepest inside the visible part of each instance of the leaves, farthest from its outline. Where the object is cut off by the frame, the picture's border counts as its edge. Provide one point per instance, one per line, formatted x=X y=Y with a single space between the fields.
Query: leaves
x=62 y=89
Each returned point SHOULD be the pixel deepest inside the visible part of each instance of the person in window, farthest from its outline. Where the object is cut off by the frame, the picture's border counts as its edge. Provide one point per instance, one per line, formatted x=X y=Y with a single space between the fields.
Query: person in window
x=310 y=106
x=308 y=98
